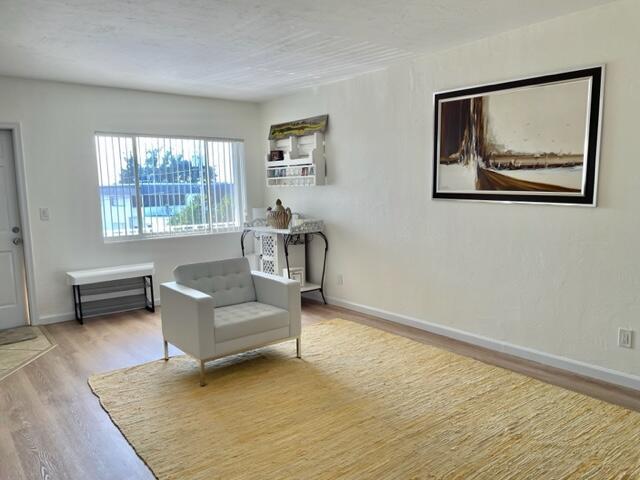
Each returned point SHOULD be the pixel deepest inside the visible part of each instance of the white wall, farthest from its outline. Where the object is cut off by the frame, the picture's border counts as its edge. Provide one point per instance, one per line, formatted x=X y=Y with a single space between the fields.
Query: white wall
x=556 y=279
x=58 y=122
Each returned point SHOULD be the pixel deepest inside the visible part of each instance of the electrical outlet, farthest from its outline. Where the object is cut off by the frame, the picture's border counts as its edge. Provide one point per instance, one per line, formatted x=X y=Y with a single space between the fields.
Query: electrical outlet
x=44 y=214
x=625 y=338
x=339 y=279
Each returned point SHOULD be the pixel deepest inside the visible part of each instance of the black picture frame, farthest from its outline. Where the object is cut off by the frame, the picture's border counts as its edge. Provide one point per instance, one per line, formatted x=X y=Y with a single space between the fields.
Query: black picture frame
x=587 y=195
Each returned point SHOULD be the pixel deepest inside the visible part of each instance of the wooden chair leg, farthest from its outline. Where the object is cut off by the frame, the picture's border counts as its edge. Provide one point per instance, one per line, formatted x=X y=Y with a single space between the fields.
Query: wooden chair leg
x=202 y=381
x=166 y=350
x=298 y=348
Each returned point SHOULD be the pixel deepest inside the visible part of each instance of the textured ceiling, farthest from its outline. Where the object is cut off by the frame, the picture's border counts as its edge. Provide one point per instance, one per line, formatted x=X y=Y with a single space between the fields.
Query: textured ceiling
x=242 y=49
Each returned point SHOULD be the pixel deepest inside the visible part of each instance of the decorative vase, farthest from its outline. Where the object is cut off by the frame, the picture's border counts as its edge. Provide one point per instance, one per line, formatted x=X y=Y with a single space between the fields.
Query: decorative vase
x=278 y=217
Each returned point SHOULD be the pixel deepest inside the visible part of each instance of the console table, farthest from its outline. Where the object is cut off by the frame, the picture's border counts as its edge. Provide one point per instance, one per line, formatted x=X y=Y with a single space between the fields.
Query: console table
x=288 y=237
x=112 y=289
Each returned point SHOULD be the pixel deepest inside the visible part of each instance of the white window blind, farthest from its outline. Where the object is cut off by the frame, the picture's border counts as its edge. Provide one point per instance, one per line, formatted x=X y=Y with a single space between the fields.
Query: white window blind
x=163 y=186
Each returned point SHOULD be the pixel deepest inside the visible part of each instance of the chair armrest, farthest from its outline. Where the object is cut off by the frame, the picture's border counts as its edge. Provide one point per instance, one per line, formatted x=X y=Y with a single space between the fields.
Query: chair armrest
x=188 y=319
x=280 y=292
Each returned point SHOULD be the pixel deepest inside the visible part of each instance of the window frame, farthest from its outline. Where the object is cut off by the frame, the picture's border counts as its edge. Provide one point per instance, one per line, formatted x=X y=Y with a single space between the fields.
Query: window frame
x=239 y=172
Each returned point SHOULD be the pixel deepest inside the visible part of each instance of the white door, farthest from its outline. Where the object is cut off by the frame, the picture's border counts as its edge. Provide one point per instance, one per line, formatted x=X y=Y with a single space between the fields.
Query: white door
x=13 y=310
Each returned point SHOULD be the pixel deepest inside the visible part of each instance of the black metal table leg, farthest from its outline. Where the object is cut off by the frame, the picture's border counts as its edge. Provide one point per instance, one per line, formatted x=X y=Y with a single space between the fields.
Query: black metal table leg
x=286 y=254
x=244 y=234
x=306 y=253
x=324 y=265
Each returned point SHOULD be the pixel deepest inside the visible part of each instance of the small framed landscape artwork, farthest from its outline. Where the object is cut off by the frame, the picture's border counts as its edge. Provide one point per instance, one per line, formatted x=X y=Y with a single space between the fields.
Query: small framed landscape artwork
x=295 y=273
x=533 y=140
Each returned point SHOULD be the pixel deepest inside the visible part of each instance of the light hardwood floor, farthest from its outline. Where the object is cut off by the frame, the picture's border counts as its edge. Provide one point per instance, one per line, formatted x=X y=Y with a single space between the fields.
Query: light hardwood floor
x=52 y=426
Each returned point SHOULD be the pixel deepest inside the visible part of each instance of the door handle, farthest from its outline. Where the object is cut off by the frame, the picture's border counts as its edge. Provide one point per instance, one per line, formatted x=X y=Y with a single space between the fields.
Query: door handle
x=17 y=241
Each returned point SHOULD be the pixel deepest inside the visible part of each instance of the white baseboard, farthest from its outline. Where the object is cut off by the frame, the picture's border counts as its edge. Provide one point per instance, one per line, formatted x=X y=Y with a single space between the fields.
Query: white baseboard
x=575 y=366
x=54 y=318
x=65 y=317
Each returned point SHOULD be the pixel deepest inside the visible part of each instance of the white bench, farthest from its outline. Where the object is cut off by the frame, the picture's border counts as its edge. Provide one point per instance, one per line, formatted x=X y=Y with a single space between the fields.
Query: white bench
x=99 y=291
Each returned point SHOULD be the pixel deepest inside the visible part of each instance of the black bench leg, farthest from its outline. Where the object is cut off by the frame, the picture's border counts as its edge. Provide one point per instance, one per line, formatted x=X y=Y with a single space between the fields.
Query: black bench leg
x=152 y=305
x=77 y=304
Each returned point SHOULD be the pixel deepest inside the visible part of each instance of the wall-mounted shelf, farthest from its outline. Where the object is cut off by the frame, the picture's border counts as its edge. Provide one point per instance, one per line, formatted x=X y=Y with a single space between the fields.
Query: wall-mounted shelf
x=303 y=163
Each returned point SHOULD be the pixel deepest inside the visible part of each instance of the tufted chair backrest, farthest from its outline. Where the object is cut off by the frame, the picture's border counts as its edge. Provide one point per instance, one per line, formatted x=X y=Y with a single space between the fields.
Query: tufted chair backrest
x=229 y=282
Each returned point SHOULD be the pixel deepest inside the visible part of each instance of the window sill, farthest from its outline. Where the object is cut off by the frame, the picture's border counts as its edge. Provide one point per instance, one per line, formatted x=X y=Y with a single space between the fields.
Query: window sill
x=144 y=238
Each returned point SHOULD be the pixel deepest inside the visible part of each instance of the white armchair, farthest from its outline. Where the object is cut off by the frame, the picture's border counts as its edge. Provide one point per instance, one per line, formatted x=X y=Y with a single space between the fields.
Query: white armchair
x=215 y=309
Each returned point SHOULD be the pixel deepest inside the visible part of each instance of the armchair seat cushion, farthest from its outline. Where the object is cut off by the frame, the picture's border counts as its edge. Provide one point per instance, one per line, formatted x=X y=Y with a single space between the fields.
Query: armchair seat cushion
x=244 y=319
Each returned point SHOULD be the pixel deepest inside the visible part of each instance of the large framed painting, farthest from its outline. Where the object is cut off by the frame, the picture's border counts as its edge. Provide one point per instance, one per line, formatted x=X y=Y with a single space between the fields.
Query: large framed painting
x=529 y=140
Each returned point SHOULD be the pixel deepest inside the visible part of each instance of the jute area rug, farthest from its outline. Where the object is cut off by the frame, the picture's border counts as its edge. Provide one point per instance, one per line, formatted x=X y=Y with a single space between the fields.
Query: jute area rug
x=20 y=346
x=363 y=404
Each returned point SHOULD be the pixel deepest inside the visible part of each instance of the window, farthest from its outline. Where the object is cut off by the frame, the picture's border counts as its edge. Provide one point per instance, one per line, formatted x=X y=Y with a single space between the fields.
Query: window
x=162 y=186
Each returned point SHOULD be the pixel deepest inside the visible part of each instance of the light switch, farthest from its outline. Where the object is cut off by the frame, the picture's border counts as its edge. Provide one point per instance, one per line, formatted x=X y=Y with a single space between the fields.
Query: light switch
x=44 y=214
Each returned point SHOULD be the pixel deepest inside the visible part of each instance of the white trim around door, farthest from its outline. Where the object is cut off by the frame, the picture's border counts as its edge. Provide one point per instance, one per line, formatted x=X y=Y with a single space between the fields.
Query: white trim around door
x=23 y=208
